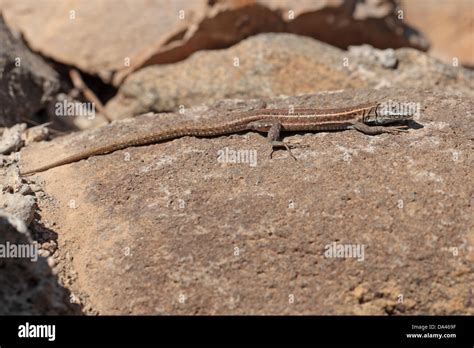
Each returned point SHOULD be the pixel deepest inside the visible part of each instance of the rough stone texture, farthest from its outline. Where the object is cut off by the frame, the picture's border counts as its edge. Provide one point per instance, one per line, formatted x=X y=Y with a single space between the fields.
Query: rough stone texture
x=151 y=32
x=11 y=139
x=102 y=34
x=265 y=69
x=343 y=23
x=171 y=230
x=337 y=22
x=19 y=205
x=28 y=287
x=11 y=181
x=387 y=58
x=26 y=88
x=449 y=26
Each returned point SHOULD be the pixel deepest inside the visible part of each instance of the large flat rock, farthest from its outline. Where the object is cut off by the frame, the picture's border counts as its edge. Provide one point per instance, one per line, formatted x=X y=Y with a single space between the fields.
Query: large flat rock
x=268 y=65
x=114 y=38
x=99 y=37
x=170 y=229
x=447 y=27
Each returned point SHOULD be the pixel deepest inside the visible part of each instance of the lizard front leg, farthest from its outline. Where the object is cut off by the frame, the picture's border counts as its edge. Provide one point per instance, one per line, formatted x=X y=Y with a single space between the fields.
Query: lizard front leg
x=374 y=130
x=273 y=129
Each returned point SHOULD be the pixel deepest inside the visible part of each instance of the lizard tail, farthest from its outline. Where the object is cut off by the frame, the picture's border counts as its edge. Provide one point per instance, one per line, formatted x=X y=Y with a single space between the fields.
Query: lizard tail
x=140 y=140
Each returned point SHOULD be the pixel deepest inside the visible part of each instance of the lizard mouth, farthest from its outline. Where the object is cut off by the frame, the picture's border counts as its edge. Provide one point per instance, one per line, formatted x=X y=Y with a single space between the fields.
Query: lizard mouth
x=379 y=119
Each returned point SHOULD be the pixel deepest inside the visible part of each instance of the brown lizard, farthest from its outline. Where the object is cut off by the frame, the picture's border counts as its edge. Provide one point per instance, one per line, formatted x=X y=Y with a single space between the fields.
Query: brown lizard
x=366 y=118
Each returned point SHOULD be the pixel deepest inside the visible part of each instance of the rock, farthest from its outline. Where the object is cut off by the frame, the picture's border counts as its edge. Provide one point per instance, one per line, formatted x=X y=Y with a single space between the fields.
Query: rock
x=26 y=81
x=447 y=25
x=190 y=231
x=20 y=206
x=10 y=222
x=337 y=22
x=11 y=139
x=101 y=39
x=44 y=253
x=28 y=286
x=265 y=70
x=26 y=190
x=15 y=137
x=36 y=133
x=193 y=235
x=386 y=58
x=10 y=178
x=344 y=23
x=170 y=31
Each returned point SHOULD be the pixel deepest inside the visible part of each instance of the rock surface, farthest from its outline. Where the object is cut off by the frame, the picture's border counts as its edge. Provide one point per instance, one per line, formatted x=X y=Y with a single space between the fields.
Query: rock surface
x=11 y=139
x=448 y=28
x=157 y=32
x=343 y=23
x=99 y=39
x=28 y=286
x=26 y=81
x=337 y=22
x=276 y=64
x=357 y=225
x=171 y=229
x=19 y=205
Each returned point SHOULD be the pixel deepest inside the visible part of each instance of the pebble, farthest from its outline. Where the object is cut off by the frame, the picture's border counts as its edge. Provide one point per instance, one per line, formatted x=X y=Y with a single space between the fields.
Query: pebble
x=44 y=253
x=51 y=262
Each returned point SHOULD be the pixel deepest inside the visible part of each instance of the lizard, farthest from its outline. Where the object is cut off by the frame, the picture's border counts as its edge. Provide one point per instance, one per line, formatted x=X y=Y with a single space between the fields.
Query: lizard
x=365 y=118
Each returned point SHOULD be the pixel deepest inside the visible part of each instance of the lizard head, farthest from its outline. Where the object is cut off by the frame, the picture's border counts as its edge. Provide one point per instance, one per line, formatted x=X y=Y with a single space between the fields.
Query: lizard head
x=384 y=113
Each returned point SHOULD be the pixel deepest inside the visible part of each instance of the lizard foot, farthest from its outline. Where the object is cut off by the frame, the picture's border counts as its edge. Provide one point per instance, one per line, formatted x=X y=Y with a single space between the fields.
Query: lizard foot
x=281 y=144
